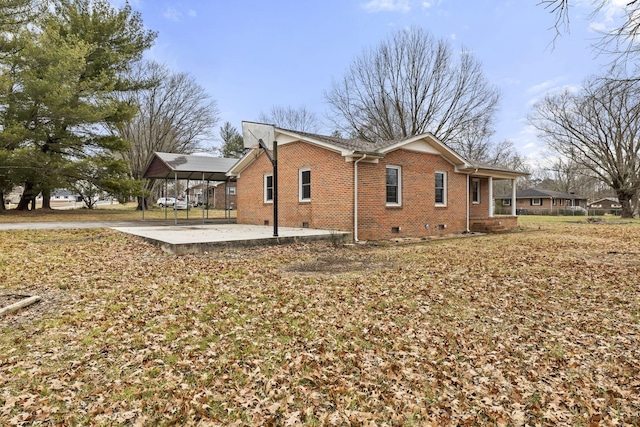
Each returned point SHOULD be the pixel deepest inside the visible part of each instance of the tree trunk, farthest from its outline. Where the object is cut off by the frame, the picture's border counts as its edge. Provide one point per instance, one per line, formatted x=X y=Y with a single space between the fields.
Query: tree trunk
x=2 y=206
x=140 y=201
x=46 y=199
x=26 y=197
x=625 y=198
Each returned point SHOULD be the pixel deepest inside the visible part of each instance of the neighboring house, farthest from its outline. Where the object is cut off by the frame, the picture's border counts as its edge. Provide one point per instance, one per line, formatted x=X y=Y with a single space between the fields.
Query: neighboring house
x=65 y=196
x=14 y=196
x=218 y=194
x=533 y=200
x=607 y=204
x=414 y=187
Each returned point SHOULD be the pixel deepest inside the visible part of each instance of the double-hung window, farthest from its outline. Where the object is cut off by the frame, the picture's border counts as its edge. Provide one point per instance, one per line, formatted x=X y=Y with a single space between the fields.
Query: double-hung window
x=536 y=201
x=268 y=188
x=394 y=185
x=441 y=188
x=475 y=191
x=305 y=185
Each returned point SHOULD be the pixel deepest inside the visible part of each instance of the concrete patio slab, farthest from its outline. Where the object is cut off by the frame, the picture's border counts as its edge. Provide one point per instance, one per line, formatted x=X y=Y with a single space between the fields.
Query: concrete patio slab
x=193 y=239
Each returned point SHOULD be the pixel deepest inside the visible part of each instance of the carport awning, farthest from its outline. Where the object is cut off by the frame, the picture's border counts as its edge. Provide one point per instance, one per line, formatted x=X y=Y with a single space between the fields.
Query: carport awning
x=183 y=166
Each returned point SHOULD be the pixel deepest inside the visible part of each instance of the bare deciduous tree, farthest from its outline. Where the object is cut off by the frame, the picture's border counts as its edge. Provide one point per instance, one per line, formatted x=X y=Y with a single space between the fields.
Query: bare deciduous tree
x=599 y=129
x=620 y=41
x=299 y=118
x=175 y=115
x=412 y=83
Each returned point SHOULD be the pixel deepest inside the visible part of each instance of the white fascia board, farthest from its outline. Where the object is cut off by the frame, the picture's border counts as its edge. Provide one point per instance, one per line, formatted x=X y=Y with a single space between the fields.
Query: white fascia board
x=485 y=172
x=352 y=156
x=244 y=162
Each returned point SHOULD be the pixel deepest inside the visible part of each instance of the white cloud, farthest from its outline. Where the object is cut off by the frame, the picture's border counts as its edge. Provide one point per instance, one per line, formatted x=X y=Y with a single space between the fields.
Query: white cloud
x=543 y=87
x=176 y=15
x=172 y=14
x=375 y=6
x=426 y=4
x=607 y=16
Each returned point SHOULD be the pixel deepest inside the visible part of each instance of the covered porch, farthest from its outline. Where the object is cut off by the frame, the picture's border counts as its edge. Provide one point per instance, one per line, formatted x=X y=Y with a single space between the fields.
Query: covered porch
x=482 y=179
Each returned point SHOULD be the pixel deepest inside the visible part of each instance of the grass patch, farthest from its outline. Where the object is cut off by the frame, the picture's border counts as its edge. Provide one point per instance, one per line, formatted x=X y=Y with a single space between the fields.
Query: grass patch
x=524 y=328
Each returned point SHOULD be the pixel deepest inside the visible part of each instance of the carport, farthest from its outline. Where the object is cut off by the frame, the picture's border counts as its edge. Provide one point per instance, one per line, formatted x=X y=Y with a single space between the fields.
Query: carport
x=204 y=169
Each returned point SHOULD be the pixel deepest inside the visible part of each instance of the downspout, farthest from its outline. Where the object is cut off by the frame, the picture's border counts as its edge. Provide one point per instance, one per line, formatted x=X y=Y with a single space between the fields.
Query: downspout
x=468 y=183
x=355 y=198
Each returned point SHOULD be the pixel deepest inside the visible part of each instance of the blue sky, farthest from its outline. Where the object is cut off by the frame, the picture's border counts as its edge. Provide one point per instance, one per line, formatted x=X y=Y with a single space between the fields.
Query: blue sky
x=250 y=55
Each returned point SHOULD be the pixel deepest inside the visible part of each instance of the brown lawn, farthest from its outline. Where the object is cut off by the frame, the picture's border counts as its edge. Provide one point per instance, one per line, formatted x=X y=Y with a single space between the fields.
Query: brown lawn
x=534 y=328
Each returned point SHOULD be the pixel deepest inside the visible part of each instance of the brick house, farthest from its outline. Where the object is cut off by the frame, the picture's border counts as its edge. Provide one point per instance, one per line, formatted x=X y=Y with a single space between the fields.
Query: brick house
x=533 y=201
x=218 y=194
x=414 y=187
x=606 y=204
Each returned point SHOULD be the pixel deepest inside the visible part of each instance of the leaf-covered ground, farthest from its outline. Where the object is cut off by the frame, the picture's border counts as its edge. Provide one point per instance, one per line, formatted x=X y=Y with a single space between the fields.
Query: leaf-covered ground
x=533 y=328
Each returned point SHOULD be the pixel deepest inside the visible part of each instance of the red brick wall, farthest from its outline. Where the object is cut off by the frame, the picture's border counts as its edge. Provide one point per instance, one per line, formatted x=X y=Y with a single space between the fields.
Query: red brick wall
x=331 y=205
x=546 y=205
x=481 y=209
x=376 y=220
x=331 y=189
x=217 y=197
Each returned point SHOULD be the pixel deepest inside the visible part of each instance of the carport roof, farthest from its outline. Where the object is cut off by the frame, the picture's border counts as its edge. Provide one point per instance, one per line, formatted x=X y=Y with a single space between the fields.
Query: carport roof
x=184 y=166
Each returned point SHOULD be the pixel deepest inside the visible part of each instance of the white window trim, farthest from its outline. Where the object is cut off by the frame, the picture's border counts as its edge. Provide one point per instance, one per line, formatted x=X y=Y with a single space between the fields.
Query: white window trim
x=506 y=202
x=444 y=185
x=399 y=169
x=300 y=171
x=533 y=199
x=474 y=180
x=265 y=188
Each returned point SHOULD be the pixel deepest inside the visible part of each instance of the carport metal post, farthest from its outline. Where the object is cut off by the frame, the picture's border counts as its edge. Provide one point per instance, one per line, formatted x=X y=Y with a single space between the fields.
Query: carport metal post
x=166 y=190
x=188 y=200
x=175 y=211
x=274 y=161
x=227 y=212
x=202 y=196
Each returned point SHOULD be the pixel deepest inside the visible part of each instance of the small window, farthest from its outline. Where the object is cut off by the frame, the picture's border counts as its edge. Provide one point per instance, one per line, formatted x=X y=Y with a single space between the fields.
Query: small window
x=268 y=188
x=561 y=202
x=536 y=202
x=305 y=185
x=554 y=202
x=441 y=188
x=475 y=191
x=393 y=178
x=506 y=202
x=231 y=191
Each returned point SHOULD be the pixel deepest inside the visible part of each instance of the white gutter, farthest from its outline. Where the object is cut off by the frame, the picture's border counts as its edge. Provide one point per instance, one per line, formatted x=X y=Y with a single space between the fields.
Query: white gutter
x=355 y=198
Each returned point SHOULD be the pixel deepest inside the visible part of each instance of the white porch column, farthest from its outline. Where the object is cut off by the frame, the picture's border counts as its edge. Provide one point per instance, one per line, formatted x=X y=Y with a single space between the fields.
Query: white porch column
x=491 y=197
x=513 y=197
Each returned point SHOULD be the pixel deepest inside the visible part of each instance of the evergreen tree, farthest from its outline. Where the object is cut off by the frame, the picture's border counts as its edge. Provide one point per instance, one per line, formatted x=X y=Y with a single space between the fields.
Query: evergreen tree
x=58 y=91
x=232 y=142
